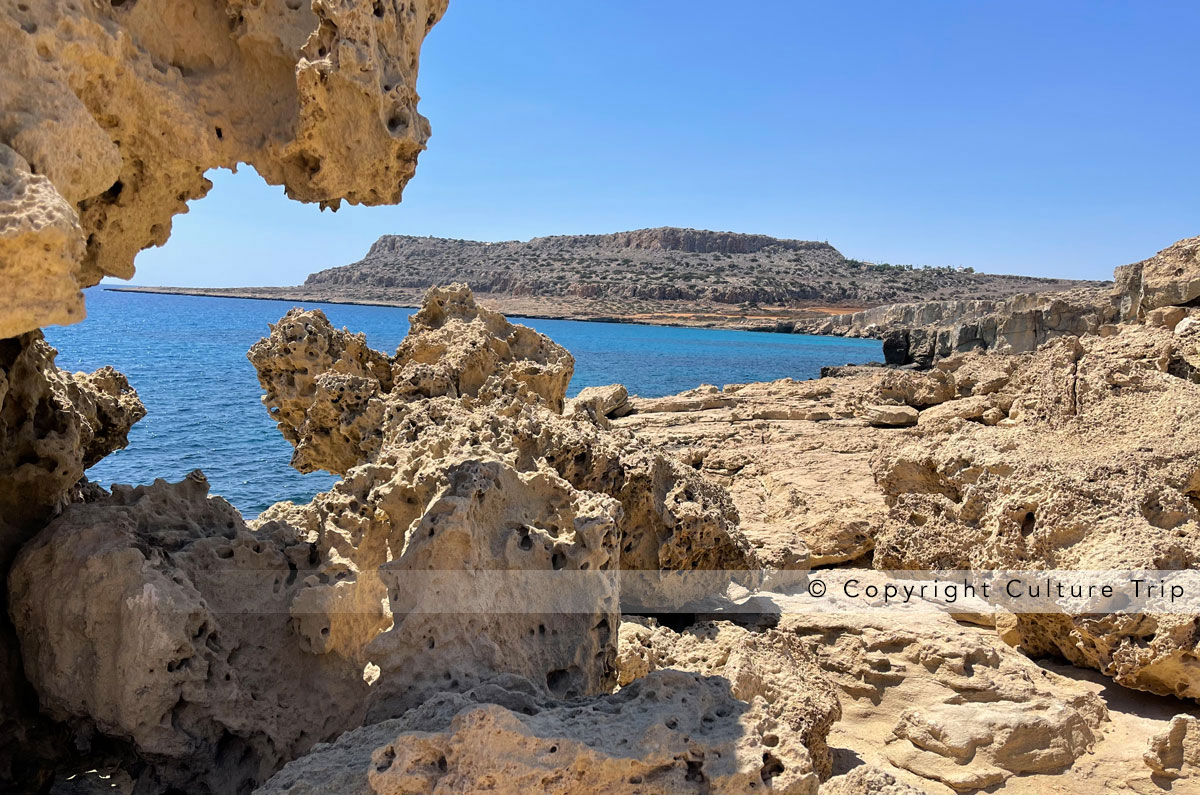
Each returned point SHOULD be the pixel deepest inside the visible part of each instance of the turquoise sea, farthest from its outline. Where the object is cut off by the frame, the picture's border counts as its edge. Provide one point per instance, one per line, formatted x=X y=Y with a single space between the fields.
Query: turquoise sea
x=186 y=356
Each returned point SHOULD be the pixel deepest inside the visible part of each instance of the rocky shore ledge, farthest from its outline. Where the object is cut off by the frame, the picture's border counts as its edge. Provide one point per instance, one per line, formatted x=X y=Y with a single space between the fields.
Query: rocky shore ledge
x=330 y=647
x=465 y=610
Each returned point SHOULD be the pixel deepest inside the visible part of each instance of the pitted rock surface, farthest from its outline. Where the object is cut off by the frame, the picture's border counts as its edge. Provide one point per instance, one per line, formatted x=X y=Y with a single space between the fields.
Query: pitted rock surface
x=111 y=113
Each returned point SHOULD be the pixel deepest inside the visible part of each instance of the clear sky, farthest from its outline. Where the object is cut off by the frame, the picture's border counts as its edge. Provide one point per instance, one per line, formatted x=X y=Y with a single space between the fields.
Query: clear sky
x=1046 y=138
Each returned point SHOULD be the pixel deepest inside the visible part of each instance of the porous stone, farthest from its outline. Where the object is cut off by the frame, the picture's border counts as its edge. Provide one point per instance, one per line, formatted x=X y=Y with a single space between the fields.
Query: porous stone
x=369 y=617
x=111 y=113
x=772 y=671
x=1175 y=753
x=600 y=402
x=672 y=731
x=947 y=702
x=466 y=379
x=867 y=780
x=1094 y=467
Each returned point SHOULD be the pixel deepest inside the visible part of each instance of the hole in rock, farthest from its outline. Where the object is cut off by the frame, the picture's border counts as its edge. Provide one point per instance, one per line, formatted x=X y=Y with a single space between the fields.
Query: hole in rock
x=1028 y=524
x=674 y=621
x=771 y=768
x=559 y=682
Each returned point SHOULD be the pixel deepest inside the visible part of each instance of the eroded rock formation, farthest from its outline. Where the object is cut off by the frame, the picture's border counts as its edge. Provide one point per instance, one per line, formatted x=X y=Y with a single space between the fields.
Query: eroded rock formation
x=53 y=425
x=672 y=731
x=111 y=113
x=467 y=380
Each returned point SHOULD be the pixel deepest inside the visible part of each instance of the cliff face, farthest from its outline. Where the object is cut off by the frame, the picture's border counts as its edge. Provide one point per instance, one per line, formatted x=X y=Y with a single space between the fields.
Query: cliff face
x=110 y=113
x=654 y=265
x=921 y=333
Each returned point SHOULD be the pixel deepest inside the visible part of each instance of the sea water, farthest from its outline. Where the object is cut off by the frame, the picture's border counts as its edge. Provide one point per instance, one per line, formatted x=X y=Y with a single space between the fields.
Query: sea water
x=186 y=356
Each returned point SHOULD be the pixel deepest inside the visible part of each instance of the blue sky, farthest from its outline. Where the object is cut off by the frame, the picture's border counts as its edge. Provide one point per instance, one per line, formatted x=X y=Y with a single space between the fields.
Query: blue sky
x=1045 y=138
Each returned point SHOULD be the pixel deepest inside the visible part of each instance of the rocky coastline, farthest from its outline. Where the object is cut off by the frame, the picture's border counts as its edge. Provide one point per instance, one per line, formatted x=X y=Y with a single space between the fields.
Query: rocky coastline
x=509 y=590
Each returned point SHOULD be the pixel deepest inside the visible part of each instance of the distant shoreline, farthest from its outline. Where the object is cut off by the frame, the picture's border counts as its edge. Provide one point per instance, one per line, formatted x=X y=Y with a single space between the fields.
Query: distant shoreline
x=784 y=324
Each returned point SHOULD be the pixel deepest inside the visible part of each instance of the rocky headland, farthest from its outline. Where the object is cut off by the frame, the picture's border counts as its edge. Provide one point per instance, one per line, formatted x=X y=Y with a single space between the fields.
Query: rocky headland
x=665 y=276
x=498 y=594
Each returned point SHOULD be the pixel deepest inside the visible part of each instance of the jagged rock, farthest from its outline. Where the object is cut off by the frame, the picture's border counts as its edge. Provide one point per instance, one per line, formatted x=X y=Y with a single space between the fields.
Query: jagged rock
x=53 y=425
x=324 y=389
x=120 y=115
x=672 y=731
x=1094 y=467
x=221 y=610
x=866 y=780
x=466 y=379
x=889 y=416
x=457 y=348
x=1175 y=753
x=458 y=626
x=771 y=671
x=600 y=403
x=1169 y=278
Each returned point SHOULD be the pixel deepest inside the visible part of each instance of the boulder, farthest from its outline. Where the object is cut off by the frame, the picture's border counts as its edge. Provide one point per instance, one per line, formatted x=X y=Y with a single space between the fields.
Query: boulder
x=882 y=416
x=600 y=402
x=1175 y=753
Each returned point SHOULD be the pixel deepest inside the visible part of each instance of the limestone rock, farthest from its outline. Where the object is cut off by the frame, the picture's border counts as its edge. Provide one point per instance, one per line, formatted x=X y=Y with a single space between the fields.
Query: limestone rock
x=457 y=348
x=672 y=731
x=922 y=333
x=452 y=631
x=890 y=416
x=947 y=702
x=367 y=616
x=40 y=248
x=1169 y=278
x=1175 y=753
x=1094 y=467
x=210 y=602
x=968 y=408
x=324 y=389
x=794 y=461
x=867 y=780
x=53 y=425
x=464 y=379
x=600 y=402
x=119 y=109
x=970 y=748
x=772 y=671
x=702 y=398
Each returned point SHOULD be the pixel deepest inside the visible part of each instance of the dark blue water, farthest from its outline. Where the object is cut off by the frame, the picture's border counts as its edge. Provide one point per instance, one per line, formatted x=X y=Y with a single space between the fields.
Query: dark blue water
x=186 y=356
